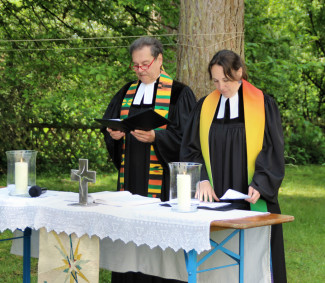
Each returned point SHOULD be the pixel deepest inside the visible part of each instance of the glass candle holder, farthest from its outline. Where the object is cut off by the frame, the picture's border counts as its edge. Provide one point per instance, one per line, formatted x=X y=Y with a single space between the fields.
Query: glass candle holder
x=184 y=184
x=21 y=171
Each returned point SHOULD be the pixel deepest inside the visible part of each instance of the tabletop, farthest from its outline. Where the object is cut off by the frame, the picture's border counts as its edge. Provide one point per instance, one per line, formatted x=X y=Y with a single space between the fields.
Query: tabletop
x=251 y=222
x=150 y=224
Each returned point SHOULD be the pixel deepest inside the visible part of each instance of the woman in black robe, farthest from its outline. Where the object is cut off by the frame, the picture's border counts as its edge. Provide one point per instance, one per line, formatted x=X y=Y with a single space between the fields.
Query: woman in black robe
x=227 y=143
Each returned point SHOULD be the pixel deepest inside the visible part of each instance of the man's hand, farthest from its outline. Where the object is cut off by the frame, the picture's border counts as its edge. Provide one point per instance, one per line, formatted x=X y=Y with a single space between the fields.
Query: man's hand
x=115 y=135
x=206 y=192
x=144 y=136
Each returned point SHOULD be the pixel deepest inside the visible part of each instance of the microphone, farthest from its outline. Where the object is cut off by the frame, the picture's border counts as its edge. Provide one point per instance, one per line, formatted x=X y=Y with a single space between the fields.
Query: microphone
x=36 y=191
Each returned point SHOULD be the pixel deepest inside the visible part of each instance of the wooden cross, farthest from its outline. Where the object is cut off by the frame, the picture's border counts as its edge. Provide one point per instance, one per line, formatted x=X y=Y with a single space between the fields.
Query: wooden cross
x=84 y=177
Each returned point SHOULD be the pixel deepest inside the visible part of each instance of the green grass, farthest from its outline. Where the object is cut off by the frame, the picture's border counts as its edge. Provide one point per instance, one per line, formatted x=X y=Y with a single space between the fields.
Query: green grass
x=104 y=182
x=302 y=195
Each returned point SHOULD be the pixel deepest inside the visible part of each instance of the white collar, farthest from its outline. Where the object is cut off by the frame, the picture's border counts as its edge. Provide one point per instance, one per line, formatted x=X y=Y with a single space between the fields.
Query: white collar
x=145 y=92
x=233 y=102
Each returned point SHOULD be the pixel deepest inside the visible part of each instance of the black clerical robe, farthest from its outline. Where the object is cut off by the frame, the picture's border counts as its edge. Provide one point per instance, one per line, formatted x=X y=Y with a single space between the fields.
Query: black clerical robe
x=137 y=154
x=228 y=157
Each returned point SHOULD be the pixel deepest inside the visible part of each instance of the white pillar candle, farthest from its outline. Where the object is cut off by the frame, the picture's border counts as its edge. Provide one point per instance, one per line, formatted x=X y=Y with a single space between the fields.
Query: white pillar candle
x=21 y=177
x=184 y=192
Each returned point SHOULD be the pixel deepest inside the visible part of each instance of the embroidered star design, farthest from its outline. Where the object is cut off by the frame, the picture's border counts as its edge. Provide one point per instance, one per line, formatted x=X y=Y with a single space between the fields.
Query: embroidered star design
x=72 y=262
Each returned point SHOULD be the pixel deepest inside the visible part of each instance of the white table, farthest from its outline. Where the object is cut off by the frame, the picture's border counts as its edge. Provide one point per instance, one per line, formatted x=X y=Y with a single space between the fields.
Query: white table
x=150 y=231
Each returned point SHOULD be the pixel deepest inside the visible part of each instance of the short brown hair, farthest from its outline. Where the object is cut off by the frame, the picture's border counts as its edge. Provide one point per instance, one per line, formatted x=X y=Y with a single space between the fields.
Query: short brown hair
x=229 y=61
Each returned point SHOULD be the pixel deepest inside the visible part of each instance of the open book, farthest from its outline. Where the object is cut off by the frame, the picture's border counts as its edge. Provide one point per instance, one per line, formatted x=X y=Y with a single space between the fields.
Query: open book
x=122 y=198
x=145 y=120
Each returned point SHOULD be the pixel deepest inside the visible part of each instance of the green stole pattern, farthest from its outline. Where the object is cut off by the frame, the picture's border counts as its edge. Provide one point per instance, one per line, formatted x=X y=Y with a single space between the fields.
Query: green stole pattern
x=161 y=107
x=254 y=113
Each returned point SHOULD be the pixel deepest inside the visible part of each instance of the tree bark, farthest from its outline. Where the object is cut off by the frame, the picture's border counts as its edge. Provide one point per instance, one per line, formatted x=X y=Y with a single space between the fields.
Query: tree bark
x=205 y=27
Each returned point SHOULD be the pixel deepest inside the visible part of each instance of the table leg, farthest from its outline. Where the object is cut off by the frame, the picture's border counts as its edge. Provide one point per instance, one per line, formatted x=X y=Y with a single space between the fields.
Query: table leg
x=241 y=256
x=191 y=265
x=26 y=255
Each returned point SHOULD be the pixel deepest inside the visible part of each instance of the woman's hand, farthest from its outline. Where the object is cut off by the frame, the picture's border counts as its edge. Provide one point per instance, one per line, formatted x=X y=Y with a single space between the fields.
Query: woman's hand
x=144 y=136
x=254 y=195
x=206 y=192
x=115 y=135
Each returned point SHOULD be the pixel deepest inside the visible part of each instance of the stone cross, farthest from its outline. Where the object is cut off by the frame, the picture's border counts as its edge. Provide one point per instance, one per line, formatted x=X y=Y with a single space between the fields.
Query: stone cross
x=84 y=177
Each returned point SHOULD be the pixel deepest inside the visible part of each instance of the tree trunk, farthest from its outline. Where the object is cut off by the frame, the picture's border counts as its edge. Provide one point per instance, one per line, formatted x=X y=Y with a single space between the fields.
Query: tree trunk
x=205 y=27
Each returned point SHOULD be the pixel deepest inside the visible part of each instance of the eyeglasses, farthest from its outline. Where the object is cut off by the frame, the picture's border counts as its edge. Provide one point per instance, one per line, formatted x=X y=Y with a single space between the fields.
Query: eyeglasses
x=143 y=67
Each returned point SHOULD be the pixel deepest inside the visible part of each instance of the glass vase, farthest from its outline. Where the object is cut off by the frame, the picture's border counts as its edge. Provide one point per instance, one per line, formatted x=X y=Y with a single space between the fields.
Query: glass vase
x=184 y=186
x=21 y=171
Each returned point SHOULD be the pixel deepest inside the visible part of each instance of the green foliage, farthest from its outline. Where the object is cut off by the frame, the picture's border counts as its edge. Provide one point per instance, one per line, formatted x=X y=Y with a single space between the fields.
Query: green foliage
x=305 y=143
x=285 y=51
x=62 y=61
x=60 y=64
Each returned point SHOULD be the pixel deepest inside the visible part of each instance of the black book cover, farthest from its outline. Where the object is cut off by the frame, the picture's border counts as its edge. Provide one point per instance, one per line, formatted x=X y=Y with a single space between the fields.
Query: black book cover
x=145 y=120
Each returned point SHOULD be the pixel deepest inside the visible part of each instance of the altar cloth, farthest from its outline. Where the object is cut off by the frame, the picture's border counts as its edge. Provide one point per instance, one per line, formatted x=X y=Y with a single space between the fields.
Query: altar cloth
x=148 y=238
x=150 y=224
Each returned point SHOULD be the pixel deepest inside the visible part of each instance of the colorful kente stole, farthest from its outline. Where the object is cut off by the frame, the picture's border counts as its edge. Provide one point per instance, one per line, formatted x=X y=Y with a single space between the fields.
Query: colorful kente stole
x=161 y=107
x=254 y=113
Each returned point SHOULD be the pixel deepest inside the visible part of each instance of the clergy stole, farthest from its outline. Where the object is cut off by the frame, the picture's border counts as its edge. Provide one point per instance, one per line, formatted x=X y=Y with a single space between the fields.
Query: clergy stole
x=161 y=107
x=67 y=258
x=254 y=113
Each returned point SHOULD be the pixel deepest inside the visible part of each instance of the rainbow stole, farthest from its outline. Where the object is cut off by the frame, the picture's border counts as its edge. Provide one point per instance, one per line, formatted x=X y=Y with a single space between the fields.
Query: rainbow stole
x=254 y=113
x=161 y=107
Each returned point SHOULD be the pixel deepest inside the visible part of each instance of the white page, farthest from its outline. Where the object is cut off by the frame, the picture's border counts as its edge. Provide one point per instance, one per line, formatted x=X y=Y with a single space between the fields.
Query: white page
x=121 y=198
x=232 y=194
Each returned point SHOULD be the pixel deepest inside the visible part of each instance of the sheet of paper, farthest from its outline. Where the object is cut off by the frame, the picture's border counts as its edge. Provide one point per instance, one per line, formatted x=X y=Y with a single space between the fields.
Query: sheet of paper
x=123 y=198
x=232 y=194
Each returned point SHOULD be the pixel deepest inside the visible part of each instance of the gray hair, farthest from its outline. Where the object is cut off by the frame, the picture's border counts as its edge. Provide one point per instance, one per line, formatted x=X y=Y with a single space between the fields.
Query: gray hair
x=154 y=44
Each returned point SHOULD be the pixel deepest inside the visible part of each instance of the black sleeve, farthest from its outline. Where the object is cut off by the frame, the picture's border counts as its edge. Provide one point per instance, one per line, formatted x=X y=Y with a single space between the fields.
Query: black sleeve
x=167 y=142
x=269 y=165
x=191 y=145
x=113 y=110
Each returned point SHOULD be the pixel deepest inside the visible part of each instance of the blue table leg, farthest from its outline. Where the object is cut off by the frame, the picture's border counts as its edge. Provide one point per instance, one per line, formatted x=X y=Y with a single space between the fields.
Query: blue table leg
x=26 y=255
x=191 y=265
x=241 y=256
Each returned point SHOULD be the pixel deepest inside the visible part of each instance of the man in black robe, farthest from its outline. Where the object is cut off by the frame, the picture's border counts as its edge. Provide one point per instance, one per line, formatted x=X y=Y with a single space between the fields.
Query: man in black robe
x=142 y=157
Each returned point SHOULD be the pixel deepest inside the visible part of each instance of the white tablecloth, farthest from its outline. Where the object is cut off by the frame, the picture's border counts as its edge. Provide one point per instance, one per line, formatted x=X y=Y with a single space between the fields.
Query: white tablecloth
x=151 y=224
x=155 y=234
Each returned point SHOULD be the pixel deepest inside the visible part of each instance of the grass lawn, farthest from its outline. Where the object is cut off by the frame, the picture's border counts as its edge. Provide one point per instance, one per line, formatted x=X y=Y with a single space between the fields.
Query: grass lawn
x=302 y=195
